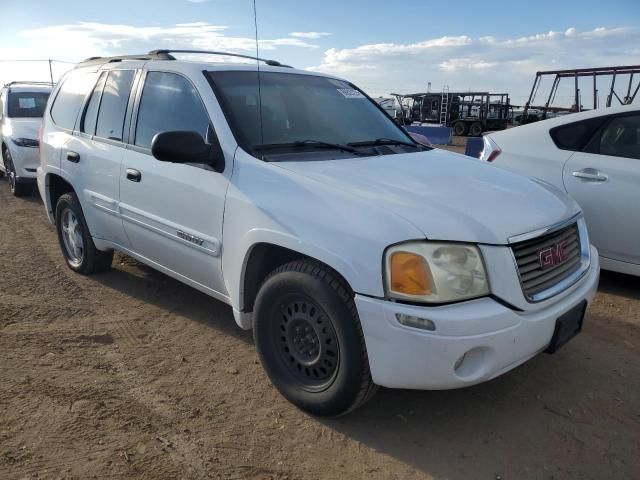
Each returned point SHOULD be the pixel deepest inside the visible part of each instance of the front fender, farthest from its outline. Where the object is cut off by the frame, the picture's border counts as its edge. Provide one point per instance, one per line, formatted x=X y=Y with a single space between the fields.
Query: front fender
x=236 y=264
x=269 y=204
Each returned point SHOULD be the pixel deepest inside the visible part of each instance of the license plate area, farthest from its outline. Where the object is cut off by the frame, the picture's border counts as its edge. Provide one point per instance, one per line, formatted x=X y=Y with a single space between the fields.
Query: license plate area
x=568 y=326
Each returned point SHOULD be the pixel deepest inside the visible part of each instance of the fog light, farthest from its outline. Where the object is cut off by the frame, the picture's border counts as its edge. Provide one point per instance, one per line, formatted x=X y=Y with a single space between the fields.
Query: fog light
x=473 y=364
x=416 y=322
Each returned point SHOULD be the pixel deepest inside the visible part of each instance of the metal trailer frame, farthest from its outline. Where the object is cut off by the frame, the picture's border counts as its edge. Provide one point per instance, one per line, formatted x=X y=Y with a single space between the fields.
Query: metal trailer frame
x=466 y=107
x=614 y=72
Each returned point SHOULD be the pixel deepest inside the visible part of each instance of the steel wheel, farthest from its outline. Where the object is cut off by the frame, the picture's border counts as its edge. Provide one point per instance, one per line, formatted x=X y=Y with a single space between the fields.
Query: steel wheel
x=307 y=343
x=72 y=237
x=309 y=338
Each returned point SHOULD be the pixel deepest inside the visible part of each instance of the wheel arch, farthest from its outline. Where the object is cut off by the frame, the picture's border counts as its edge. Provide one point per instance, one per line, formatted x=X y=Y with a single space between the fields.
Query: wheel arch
x=56 y=186
x=264 y=256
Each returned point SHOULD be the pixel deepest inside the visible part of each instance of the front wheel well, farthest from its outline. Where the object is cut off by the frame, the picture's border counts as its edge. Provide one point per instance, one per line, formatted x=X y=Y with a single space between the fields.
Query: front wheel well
x=263 y=259
x=58 y=186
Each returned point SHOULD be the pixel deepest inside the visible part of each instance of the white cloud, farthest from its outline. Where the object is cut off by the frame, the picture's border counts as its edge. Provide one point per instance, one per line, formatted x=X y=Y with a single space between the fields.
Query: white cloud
x=456 y=64
x=76 y=41
x=309 y=35
x=82 y=39
x=484 y=63
x=100 y=38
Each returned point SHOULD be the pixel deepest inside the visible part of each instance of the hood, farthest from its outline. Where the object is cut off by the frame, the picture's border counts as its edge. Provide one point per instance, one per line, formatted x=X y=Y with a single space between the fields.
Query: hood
x=22 y=128
x=446 y=195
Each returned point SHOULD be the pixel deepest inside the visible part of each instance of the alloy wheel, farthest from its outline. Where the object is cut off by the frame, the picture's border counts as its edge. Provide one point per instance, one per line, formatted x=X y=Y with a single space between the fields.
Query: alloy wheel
x=72 y=237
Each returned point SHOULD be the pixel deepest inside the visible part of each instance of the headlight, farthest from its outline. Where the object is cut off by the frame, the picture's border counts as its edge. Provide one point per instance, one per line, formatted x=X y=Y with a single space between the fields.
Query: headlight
x=490 y=150
x=25 y=142
x=435 y=272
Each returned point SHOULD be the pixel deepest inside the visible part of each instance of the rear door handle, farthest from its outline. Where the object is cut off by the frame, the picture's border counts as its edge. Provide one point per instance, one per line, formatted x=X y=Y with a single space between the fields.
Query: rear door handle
x=73 y=157
x=591 y=174
x=133 y=175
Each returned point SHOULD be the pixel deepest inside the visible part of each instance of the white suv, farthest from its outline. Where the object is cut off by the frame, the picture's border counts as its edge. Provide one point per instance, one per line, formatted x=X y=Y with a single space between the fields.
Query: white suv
x=358 y=257
x=21 y=107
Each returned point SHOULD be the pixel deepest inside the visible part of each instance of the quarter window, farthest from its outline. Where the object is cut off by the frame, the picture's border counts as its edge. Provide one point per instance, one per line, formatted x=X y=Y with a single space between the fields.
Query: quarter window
x=574 y=136
x=69 y=99
x=169 y=102
x=620 y=137
x=113 y=104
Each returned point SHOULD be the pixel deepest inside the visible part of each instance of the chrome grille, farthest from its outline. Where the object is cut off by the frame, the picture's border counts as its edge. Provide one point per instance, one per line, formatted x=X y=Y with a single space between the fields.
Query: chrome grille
x=530 y=256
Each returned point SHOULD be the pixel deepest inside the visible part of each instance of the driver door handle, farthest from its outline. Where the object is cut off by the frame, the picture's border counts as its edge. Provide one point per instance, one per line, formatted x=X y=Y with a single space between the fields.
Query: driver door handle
x=591 y=174
x=133 y=175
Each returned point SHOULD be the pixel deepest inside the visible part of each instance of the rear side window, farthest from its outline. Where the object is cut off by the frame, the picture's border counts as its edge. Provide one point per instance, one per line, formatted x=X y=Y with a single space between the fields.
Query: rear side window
x=113 y=105
x=618 y=138
x=88 y=124
x=26 y=104
x=169 y=102
x=574 y=136
x=69 y=99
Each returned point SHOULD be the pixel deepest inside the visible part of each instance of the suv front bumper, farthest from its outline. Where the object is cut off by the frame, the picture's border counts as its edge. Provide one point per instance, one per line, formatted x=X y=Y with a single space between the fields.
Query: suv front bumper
x=473 y=341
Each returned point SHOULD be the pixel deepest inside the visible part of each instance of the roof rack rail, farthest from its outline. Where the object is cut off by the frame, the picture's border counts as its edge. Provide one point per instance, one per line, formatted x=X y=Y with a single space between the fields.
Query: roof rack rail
x=273 y=63
x=166 y=55
x=26 y=82
x=120 y=58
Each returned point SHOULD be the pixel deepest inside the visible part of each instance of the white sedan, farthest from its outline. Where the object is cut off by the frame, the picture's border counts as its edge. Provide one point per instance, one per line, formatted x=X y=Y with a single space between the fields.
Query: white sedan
x=593 y=156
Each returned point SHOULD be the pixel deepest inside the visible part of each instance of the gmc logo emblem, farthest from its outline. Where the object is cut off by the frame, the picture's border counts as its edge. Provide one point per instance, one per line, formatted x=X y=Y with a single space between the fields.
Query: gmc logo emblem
x=553 y=255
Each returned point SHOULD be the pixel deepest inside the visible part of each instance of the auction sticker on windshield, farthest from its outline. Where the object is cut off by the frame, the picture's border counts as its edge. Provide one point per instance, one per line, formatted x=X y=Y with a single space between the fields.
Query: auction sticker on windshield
x=26 y=102
x=350 y=93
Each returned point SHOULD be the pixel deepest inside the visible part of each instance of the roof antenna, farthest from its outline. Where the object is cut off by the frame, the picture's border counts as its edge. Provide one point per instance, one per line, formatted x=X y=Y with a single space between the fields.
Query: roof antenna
x=255 y=23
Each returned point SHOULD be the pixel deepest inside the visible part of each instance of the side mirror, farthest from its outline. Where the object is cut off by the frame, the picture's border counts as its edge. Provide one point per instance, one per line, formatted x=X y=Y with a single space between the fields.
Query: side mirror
x=186 y=147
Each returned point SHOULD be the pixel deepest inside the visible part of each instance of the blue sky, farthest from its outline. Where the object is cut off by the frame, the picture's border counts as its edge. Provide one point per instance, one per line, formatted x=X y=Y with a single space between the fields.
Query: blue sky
x=381 y=45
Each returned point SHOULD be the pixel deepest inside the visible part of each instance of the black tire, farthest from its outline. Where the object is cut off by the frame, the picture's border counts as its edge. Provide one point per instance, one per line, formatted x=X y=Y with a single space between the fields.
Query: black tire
x=18 y=189
x=310 y=341
x=460 y=129
x=90 y=260
x=4 y=163
x=475 y=130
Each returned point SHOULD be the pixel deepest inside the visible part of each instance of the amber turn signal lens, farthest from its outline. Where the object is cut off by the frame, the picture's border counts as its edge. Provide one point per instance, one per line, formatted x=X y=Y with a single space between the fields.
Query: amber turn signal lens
x=409 y=274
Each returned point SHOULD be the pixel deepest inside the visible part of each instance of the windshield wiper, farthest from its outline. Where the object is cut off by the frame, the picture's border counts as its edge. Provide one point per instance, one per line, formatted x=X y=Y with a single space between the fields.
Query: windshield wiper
x=310 y=143
x=383 y=141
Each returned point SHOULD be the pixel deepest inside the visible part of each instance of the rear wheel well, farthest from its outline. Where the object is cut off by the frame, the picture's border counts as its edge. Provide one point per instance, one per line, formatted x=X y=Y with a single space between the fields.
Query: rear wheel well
x=263 y=259
x=58 y=186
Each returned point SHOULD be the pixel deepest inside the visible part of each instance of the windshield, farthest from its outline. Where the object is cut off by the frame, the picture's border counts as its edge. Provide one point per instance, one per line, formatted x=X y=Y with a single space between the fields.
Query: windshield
x=26 y=104
x=299 y=108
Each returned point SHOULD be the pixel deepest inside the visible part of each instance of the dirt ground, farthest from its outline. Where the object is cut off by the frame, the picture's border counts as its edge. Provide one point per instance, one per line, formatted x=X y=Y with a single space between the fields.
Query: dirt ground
x=130 y=374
